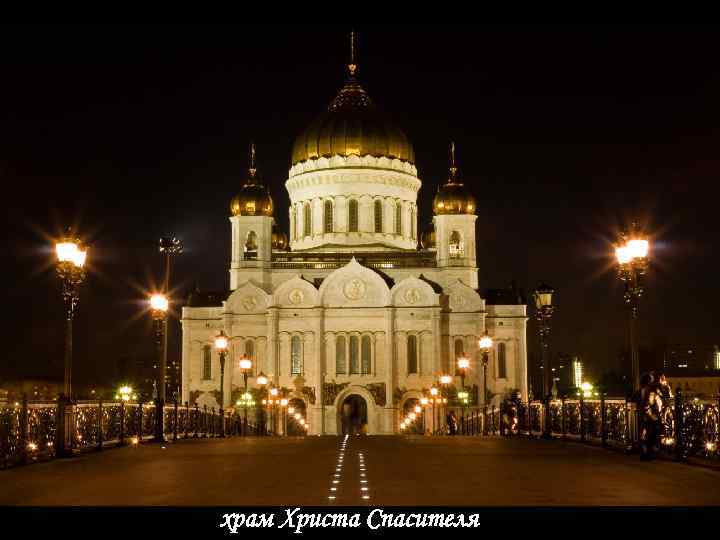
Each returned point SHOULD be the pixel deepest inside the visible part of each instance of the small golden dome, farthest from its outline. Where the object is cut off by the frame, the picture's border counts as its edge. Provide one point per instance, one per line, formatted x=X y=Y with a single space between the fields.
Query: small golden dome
x=279 y=240
x=428 y=238
x=453 y=197
x=254 y=198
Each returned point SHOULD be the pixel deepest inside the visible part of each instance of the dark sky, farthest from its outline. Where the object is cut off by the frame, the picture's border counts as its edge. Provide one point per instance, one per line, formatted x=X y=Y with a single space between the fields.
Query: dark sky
x=563 y=134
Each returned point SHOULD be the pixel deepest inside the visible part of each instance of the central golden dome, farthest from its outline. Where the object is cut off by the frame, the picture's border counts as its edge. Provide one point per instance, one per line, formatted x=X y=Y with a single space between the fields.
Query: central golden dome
x=352 y=126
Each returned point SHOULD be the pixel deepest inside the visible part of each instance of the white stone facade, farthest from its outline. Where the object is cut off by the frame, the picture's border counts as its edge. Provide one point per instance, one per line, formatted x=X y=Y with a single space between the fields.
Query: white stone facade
x=324 y=331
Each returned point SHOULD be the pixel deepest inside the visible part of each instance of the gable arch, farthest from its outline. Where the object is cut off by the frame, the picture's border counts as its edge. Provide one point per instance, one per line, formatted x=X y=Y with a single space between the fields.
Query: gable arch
x=413 y=291
x=464 y=299
x=247 y=298
x=296 y=293
x=354 y=285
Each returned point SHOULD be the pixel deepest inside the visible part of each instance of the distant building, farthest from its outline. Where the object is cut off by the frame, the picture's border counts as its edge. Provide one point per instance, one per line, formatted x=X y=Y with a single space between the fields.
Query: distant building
x=704 y=387
x=577 y=371
x=689 y=359
x=716 y=358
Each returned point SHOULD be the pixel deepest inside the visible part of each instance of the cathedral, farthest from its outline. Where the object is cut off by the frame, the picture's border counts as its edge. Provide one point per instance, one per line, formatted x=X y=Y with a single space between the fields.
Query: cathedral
x=355 y=307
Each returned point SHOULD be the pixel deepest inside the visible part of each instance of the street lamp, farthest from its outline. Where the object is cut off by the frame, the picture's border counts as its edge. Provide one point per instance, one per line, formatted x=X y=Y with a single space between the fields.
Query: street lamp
x=169 y=246
x=158 y=308
x=434 y=393
x=631 y=252
x=262 y=382
x=543 y=314
x=272 y=401
x=485 y=344
x=71 y=256
x=245 y=365
x=221 y=344
x=463 y=365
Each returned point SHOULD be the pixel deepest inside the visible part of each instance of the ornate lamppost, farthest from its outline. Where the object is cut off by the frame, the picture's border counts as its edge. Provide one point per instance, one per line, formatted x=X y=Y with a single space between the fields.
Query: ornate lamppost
x=272 y=401
x=221 y=344
x=71 y=256
x=158 y=308
x=169 y=246
x=445 y=381
x=463 y=365
x=632 y=257
x=434 y=397
x=424 y=403
x=485 y=344
x=262 y=382
x=245 y=365
x=543 y=314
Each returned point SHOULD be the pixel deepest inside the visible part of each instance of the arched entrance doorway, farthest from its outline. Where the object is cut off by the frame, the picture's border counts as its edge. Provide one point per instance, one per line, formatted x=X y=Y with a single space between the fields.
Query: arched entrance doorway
x=297 y=406
x=354 y=415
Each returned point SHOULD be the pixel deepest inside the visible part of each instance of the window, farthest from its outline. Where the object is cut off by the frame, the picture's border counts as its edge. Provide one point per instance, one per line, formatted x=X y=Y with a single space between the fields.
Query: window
x=340 y=358
x=295 y=356
x=353 y=215
x=378 y=216
x=456 y=248
x=365 y=355
x=459 y=351
x=207 y=362
x=307 y=220
x=251 y=242
x=292 y=225
x=502 y=364
x=328 y=221
x=354 y=355
x=412 y=360
x=398 y=218
x=413 y=225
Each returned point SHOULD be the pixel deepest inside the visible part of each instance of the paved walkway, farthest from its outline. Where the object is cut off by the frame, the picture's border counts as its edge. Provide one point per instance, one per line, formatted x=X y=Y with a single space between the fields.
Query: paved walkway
x=395 y=470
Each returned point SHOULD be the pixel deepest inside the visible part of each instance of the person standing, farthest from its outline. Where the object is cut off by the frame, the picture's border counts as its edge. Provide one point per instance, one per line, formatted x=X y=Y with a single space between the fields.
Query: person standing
x=649 y=417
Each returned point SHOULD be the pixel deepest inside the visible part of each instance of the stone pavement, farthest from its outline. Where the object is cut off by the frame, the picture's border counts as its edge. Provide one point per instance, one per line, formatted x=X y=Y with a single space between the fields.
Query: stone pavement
x=412 y=470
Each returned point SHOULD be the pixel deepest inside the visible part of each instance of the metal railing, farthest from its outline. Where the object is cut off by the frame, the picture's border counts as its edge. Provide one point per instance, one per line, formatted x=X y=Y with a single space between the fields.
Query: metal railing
x=28 y=428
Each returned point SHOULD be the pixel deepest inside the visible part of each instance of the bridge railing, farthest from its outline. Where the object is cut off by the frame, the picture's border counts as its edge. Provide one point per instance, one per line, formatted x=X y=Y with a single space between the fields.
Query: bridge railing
x=28 y=429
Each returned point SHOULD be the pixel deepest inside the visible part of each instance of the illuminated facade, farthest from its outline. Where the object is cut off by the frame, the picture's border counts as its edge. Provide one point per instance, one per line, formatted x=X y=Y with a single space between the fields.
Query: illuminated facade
x=355 y=302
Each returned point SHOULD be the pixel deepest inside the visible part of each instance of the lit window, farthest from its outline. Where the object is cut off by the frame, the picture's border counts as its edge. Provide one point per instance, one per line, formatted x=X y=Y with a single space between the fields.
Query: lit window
x=365 y=356
x=340 y=358
x=295 y=356
x=502 y=363
x=307 y=220
x=207 y=362
x=398 y=218
x=353 y=215
x=412 y=360
x=456 y=248
x=354 y=355
x=378 y=216
x=328 y=221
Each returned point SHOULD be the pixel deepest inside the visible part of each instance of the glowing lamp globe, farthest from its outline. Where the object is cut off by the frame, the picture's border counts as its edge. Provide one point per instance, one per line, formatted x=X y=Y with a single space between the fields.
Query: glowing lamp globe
x=245 y=364
x=159 y=302
x=463 y=363
x=221 y=342
x=485 y=343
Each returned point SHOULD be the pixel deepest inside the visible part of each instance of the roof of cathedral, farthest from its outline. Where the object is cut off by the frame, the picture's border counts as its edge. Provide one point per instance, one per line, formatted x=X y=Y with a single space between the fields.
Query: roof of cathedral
x=352 y=125
x=198 y=298
x=254 y=198
x=507 y=296
x=453 y=197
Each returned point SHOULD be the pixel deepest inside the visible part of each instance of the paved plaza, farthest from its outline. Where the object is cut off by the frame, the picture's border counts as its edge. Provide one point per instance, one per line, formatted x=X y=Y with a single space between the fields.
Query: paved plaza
x=394 y=470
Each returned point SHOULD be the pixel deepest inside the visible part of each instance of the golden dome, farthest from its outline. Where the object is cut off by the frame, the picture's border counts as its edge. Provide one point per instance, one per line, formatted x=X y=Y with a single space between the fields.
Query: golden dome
x=452 y=197
x=254 y=198
x=352 y=125
x=428 y=238
x=279 y=240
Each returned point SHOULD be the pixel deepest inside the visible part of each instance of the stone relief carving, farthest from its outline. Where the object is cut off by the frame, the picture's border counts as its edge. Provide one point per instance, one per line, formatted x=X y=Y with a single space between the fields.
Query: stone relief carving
x=331 y=391
x=249 y=303
x=412 y=296
x=378 y=392
x=296 y=296
x=309 y=393
x=355 y=289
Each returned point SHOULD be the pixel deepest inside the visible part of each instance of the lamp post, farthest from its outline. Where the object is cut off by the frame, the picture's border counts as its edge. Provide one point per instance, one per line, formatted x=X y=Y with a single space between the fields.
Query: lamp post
x=262 y=381
x=423 y=403
x=445 y=381
x=631 y=252
x=71 y=256
x=245 y=365
x=169 y=246
x=463 y=365
x=221 y=344
x=159 y=308
x=543 y=314
x=283 y=415
x=434 y=393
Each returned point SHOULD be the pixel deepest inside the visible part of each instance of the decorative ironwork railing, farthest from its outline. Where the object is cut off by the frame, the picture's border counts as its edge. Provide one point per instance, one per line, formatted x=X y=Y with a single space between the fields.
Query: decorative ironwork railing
x=28 y=430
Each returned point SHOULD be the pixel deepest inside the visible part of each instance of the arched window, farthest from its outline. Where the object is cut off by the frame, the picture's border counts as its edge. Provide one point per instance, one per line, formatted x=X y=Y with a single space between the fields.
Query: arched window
x=365 y=355
x=398 y=218
x=413 y=225
x=207 y=362
x=354 y=355
x=340 y=359
x=378 y=216
x=328 y=221
x=502 y=363
x=412 y=356
x=459 y=351
x=292 y=225
x=251 y=241
x=295 y=356
x=353 y=215
x=456 y=247
x=307 y=220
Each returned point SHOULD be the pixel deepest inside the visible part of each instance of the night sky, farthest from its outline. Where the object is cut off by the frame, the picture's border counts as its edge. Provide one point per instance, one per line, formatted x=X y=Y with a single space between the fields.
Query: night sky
x=563 y=134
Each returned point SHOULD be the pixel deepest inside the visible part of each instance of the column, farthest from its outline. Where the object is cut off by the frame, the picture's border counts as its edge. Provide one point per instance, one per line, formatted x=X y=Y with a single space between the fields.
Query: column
x=272 y=361
x=319 y=373
x=437 y=341
x=389 y=420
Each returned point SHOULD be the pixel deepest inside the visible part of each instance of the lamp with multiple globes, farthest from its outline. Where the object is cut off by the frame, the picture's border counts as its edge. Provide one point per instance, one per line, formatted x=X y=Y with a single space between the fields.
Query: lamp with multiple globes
x=70 y=265
x=632 y=252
